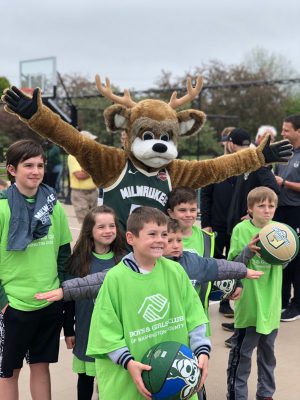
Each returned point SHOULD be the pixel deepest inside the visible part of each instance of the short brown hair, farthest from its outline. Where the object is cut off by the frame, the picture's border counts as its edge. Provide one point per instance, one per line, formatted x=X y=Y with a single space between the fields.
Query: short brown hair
x=259 y=194
x=143 y=215
x=21 y=151
x=181 y=195
x=294 y=120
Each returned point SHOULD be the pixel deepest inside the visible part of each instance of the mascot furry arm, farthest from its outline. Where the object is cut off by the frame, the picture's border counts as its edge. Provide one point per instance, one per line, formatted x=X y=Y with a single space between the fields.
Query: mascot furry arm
x=153 y=128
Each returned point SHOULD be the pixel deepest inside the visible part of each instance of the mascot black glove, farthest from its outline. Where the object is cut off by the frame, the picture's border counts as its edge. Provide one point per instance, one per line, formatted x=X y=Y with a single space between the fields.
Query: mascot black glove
x=19 y=103
x=277 y=152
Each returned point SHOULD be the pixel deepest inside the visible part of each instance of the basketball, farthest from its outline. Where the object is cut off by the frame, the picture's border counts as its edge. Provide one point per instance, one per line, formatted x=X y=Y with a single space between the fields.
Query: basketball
x=175 y=373
x=279 y=243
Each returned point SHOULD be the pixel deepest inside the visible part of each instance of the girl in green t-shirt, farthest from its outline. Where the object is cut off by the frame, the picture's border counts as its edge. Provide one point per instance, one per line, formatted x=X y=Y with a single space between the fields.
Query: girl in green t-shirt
x=99 y=247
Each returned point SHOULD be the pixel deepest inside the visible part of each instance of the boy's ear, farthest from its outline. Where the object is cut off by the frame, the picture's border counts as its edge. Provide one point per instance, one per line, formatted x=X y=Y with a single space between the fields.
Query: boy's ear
x=11 y=169
x=170 y=212
x=129 y=238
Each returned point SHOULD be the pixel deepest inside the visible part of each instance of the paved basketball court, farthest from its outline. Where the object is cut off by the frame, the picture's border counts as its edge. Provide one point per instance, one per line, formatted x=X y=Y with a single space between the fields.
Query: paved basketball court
x=287 y=353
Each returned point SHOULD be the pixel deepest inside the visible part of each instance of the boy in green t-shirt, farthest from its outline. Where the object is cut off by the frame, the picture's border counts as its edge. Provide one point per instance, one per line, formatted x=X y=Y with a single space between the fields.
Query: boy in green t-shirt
x=182 y=206
x=34 y=247
x=145 y=300
x=257 y=312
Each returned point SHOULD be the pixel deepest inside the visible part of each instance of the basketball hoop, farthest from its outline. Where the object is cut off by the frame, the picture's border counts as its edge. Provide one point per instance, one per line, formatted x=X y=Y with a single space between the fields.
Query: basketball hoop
x=39 y=72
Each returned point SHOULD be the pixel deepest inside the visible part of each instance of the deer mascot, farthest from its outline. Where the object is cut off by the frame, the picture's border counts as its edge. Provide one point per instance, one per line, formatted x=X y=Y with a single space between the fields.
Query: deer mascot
x=145 y=172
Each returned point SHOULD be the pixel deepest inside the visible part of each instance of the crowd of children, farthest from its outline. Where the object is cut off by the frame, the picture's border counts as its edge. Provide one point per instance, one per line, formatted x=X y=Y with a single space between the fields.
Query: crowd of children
x=170 y=258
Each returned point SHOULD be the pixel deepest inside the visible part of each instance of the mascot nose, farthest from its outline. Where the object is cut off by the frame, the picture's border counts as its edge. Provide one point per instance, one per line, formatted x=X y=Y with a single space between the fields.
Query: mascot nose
x=159 y=148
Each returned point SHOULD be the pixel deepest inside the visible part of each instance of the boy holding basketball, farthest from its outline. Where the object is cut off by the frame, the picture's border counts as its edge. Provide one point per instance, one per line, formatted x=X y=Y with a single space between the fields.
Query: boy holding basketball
x=257 y=312
x=144 y=300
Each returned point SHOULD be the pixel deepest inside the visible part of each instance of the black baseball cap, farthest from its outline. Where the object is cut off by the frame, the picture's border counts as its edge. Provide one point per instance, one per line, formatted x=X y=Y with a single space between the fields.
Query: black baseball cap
x=239 y=137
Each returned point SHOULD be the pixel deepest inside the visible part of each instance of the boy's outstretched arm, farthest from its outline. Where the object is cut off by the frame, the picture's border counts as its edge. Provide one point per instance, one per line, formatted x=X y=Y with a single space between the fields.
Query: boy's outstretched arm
x=203 y=269
x=76 y=289
x=52 y=295
x=248 y=251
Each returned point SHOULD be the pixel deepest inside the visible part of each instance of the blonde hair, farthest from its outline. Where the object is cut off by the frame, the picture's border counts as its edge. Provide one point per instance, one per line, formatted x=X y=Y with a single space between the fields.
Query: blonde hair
x=263 y=129
x=260 y=194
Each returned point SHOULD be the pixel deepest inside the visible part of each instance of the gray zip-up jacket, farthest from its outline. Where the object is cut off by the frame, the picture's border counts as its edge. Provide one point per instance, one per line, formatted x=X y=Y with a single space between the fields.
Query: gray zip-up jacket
x=199 y=269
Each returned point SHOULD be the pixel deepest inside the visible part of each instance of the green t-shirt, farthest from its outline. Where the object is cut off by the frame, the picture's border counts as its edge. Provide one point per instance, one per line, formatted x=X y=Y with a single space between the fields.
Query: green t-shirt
x=25 y=273
x=194 y=243
x=139 y=311
x=260 y=302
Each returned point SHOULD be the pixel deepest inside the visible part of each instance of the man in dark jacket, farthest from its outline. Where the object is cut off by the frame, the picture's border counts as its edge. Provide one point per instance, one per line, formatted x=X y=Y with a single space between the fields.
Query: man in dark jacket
x=240 y=139
x=215 y=203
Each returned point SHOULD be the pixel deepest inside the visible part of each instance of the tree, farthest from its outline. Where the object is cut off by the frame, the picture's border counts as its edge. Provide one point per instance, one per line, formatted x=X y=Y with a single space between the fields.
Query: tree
x=292 y=105
x=247 y=106
x=268 y=65
x=12 y=129
x=4 y=83
x=252 y=106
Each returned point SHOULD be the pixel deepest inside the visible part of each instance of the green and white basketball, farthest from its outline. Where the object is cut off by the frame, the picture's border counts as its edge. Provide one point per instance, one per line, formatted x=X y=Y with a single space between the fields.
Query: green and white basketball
x=279 y=243
x=175 y=374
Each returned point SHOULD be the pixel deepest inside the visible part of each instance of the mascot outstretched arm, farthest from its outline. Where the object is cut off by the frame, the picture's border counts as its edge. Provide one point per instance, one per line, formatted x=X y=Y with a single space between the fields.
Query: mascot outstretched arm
x=147 y=170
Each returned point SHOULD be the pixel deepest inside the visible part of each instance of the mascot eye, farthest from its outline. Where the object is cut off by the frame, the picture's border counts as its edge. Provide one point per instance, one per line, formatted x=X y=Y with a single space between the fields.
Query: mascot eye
x=165 y=136
x=186 y=368
x=148 y=135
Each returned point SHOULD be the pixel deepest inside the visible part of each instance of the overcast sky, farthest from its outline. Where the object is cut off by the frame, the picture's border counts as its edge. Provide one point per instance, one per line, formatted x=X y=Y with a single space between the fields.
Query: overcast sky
x=131 y=41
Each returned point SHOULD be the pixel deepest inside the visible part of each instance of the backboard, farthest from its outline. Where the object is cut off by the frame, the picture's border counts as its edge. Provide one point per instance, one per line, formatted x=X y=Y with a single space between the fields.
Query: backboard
x=40 y=72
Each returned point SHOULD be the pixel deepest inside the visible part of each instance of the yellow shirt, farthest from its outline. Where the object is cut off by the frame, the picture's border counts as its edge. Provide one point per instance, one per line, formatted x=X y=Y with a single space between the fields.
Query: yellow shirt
x=83 y=184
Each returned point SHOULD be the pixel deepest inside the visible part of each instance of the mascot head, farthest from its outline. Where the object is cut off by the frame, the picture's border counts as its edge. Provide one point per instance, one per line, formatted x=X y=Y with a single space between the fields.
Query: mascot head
x=152 y=126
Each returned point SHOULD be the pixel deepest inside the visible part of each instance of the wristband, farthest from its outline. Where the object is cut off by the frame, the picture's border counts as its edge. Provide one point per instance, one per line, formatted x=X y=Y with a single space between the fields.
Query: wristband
x=283 y=183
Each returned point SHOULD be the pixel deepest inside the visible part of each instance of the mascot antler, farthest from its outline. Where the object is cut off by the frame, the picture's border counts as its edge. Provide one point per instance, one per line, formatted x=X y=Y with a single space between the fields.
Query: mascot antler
x=108 y=93
x=192 y=93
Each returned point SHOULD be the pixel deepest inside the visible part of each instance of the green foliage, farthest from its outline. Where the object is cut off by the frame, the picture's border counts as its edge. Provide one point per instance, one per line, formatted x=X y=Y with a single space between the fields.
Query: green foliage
x=247 y=107
x=267 y=64
x=205 y=142
x=292 y=105
x=4 y=83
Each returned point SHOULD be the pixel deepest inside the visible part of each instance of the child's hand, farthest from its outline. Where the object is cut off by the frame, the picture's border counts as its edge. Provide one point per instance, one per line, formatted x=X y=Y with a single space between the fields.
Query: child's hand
x=252 y=274
x=203 y=365
x=135 y=369
x=252 y=245
x=236 y=294
x=70 y=342
x=52 y=295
